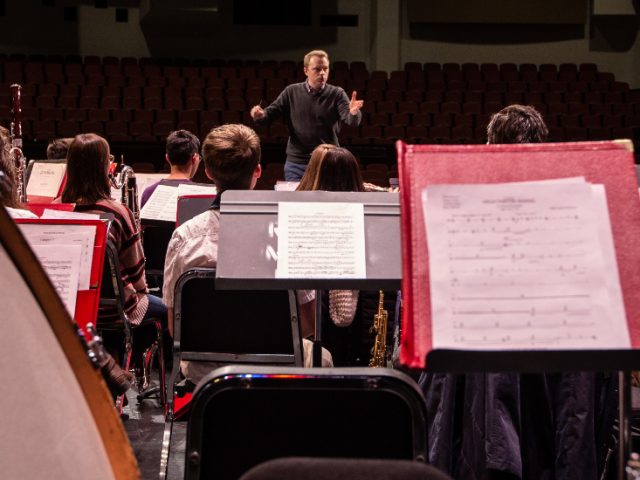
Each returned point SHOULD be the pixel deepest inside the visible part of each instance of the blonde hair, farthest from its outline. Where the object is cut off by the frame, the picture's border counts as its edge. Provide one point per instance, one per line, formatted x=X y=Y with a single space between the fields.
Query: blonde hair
x=315 y=53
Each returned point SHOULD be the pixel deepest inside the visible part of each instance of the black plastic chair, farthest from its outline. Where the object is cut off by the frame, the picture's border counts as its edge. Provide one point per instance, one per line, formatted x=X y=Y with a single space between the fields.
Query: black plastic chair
x=111 y=298
x=343 y=469
x=242 y=416
x=229 y=326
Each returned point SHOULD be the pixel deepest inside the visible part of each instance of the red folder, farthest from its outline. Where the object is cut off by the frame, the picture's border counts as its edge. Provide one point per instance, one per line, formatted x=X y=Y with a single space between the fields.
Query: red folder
x=39 y=208
x=608 y=163
x=87 y=300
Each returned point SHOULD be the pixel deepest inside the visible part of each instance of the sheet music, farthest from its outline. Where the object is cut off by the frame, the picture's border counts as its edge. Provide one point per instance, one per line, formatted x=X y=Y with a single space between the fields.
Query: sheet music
x=66 y=214
x=62 y=264
x=523 y=266
x=45 y=179
x=283 y=186
x=82 y=235
x=163 y=203
x=143 y=180
x=321 y=240
x=195 y=189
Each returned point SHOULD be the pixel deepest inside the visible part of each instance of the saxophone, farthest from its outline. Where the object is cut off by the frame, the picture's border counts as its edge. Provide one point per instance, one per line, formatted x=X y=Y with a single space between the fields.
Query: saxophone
x=16 y=143
x=379 y=349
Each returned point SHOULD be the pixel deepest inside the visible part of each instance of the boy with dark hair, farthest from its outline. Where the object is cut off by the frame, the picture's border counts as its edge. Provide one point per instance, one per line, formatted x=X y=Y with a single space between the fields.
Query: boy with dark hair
x=58 y=148
x=183 y=159
x=517 y=124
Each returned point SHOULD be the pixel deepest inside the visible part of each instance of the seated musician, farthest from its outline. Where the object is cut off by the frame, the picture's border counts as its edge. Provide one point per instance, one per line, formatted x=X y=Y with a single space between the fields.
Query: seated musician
x=183 y=157
x=231 y=155
x=58 y=148
x=348 y=314
x=515 y=425
x=89 y=188
x=9 y=197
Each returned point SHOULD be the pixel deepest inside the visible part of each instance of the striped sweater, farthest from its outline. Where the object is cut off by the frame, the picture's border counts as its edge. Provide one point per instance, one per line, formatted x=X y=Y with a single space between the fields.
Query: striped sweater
x=126 y=238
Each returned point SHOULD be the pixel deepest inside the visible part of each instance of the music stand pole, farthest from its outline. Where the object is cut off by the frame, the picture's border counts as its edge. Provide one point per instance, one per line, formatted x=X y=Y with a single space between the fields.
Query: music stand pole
x=624 y=441
x=317 y=340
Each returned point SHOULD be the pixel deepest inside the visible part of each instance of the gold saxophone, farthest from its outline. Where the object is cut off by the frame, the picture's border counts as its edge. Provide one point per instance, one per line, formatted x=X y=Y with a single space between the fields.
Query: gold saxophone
x=379 y=349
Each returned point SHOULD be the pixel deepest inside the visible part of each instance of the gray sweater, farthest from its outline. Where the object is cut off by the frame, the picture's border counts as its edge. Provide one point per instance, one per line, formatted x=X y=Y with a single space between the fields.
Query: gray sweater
x=312 y=118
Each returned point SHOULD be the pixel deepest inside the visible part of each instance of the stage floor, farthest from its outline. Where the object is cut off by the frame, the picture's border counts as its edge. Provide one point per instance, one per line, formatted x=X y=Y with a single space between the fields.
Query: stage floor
x=145 y=426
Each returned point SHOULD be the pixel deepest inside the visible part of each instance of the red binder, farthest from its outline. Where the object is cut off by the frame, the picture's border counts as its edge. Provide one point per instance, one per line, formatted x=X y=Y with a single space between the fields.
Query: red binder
x=608 y=163
x=87 y=300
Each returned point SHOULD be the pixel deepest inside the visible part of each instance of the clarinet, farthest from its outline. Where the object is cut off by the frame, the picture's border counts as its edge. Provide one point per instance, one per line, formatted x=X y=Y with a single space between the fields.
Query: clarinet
x=16 y=142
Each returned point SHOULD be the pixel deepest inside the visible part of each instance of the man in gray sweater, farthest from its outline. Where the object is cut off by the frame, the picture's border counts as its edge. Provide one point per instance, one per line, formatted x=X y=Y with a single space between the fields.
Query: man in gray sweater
x=314 y=110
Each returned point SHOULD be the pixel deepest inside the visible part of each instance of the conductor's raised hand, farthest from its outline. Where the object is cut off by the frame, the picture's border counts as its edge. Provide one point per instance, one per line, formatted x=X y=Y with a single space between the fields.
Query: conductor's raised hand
x=355 y=105
x=256 y=112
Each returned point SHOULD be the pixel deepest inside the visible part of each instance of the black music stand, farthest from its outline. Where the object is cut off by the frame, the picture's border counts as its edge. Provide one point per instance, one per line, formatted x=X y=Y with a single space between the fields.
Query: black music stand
x=248 y=244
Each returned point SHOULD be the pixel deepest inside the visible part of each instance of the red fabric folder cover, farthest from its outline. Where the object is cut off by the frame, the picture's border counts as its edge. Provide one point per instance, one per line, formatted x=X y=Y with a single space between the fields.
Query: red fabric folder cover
x=87 y=300
x=609 y=163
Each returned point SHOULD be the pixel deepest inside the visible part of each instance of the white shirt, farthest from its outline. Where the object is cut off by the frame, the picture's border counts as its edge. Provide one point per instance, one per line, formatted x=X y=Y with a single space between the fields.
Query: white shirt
x=193 y=244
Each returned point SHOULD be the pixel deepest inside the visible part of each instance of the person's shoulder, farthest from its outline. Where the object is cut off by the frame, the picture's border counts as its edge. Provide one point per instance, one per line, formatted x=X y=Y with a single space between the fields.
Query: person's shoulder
x=202 y=224
x=335 y=89
x=294 y=88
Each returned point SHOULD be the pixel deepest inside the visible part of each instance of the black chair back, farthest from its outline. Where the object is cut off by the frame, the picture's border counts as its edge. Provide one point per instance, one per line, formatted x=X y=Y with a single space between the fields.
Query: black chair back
x=242 y=416
x=234 y=326
x=343 y=469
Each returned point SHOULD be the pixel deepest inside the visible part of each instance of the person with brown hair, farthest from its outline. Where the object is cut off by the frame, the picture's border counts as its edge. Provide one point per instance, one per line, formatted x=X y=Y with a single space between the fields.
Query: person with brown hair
x=231 y=155
x=88 y=187
x=58 y=148
x=517 y=124
x=492 y=425
x=313 y=109
x=347 y=313
x=332 y=169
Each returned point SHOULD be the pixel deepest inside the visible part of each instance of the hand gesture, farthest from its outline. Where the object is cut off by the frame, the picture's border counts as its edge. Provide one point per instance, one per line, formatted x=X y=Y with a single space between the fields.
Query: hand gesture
x=355 y=105
x=257 y=112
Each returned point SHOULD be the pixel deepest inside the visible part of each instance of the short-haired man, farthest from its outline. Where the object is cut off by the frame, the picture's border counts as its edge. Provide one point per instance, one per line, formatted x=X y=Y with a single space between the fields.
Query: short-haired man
x=314 y=110
x=517 y=124
x=231 y=156
x=58 y=148
x=182 y=155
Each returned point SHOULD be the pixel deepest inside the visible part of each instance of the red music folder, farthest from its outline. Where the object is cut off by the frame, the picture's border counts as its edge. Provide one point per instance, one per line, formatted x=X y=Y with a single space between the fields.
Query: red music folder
x=39 y=208
x=87 y=300
x=609 y=163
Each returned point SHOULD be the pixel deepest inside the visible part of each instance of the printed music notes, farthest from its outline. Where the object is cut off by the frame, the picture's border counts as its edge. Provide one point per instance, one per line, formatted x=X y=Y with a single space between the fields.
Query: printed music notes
x=45 y=179
x=321 y=240
x=62 y=264
x=163 y=203
x=523 y=266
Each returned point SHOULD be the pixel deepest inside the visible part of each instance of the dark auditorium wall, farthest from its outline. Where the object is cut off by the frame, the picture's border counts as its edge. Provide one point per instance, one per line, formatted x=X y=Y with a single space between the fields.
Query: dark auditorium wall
x=378 y=32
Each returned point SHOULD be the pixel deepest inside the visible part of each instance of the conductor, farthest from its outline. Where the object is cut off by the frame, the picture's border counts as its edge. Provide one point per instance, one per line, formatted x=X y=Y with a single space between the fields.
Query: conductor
x=314 y=110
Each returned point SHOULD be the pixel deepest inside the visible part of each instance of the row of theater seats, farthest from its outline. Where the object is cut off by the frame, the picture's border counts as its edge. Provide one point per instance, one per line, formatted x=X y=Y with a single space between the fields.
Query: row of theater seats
x=143 y=100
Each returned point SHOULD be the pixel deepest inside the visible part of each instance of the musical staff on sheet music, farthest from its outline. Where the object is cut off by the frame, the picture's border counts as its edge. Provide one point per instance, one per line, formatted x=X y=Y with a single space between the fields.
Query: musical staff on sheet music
x=523 y=266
